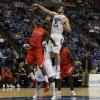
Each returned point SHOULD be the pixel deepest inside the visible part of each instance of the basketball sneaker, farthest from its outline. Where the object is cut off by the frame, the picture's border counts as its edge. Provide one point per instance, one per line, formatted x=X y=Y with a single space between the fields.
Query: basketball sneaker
x=4 y=86
x=46 y=87
x=73 y=93
x=18 y=86
x=35 y=96
x=54 y=97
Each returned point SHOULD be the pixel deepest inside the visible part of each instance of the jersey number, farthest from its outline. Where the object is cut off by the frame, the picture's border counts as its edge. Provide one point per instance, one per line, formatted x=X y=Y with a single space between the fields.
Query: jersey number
x=56 y=20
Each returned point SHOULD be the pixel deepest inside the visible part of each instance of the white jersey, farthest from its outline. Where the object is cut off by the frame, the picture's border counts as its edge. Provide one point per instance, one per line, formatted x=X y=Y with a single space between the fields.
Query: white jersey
x=57 y=25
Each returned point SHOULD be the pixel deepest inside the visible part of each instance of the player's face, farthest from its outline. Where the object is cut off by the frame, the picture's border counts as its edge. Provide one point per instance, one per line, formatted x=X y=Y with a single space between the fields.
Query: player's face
x=60 y=10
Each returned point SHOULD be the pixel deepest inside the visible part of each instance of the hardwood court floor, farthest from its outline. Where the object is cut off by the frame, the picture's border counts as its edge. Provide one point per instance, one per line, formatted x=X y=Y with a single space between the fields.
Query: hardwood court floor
x=28 y=92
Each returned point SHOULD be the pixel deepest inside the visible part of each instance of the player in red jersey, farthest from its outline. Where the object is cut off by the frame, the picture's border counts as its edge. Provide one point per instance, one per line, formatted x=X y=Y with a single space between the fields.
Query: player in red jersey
x=35 y=52
x=67 y=67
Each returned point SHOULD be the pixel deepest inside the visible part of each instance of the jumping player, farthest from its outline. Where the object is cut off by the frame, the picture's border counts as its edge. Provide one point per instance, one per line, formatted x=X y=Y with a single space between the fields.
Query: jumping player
x=50 y=73
x=35 y=51
x=47 y=65
x=60 y=23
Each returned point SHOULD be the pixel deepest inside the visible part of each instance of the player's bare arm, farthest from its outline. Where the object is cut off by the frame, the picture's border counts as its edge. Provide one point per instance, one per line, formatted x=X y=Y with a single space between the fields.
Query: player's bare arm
x=45 y=10
x=66 y=24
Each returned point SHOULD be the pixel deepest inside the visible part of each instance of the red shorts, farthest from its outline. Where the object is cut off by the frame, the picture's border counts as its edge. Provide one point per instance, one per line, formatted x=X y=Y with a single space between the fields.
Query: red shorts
x=6 y=78
x=66 y=69
x=35 y=55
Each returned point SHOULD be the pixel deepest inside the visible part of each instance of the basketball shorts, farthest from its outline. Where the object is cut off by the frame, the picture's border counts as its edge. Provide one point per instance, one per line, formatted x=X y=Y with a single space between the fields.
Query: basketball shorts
x=35 y=55
x=58 y=42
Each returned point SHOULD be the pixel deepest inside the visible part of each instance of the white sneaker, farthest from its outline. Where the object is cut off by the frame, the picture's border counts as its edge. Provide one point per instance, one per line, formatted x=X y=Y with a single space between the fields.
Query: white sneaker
x=73 y=93
x=3 y=86
x=11 y=86
x=35 y=96
x=54 y=97
x=8 y=86
x=18 y=86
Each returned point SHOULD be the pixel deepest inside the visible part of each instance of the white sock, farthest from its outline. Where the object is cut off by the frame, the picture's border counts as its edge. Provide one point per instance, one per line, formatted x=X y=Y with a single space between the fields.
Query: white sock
x=46 y=78
x=32 y=76
x=38 y=86
x=53 y=88
x=58 y=72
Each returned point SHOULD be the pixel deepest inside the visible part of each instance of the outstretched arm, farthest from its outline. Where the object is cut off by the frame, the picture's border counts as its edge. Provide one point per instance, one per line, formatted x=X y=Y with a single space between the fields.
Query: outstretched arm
x=45 y=10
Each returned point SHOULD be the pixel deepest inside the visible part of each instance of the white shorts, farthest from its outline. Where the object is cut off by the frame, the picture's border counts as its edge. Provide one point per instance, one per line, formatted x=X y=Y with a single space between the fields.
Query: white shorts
x=58 y=42
x=49 y=69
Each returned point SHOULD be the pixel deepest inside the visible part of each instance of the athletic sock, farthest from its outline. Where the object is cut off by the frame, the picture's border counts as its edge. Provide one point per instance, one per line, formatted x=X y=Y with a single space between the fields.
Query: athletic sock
x=38 y=86
x=53 y=88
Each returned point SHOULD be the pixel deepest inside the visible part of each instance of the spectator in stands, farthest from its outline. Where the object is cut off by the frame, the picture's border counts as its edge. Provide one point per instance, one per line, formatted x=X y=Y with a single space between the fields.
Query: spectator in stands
x=23 y=80
x=6 y=77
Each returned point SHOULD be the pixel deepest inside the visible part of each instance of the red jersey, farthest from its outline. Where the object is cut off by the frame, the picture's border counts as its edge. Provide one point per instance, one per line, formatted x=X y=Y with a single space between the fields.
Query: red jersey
x=64 y=56
x=37 y=37
x=66 y=66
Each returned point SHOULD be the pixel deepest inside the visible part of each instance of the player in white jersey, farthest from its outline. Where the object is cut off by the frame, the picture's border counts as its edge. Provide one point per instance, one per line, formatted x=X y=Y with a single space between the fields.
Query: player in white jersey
x=49 y=69
x=50 y=73
x=60 y=23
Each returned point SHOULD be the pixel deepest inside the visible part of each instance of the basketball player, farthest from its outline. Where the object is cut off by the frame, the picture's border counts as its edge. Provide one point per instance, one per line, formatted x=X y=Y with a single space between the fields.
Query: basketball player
x=47 y=65
x=50 y=73
x=60 y=22
x=35 y=52
x=66 y=67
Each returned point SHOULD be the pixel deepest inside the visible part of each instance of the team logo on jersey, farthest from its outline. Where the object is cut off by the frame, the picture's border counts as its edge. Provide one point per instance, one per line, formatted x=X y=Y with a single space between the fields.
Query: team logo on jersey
x=56 y=22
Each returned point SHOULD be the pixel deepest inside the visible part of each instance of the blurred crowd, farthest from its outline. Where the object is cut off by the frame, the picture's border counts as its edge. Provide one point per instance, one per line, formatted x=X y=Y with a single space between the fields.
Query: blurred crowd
x=16 y=24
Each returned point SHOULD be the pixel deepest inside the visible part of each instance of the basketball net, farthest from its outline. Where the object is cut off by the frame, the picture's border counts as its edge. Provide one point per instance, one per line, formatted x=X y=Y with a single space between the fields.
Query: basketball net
x=56 y=1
